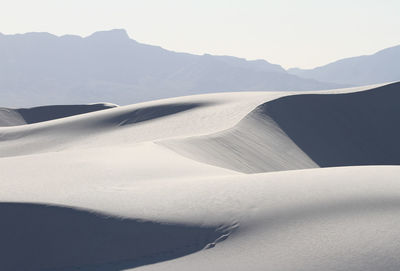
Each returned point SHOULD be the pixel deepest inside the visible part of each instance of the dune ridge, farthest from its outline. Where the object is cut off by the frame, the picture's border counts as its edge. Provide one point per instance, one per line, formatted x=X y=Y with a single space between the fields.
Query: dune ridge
x=306 y=131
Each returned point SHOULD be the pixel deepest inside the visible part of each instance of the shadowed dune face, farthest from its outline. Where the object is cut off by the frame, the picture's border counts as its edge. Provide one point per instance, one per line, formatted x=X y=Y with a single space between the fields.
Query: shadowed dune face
x=306 y=131
x=360 y=128
x=44 y=113
x=13 y=117
x=41 y=237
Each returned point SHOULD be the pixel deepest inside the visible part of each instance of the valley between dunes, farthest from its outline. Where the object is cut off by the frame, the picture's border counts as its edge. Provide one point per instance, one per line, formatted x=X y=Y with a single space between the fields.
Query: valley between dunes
x=226 y=181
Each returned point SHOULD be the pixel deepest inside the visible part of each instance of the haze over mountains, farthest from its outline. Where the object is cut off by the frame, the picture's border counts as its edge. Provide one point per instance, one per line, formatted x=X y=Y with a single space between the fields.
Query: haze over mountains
x=41 y=68
x=108 y=66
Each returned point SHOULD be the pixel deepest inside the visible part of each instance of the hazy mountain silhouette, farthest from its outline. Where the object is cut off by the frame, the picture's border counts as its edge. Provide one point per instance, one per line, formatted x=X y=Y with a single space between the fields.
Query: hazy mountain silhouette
x=383 y=66
x=41 y=68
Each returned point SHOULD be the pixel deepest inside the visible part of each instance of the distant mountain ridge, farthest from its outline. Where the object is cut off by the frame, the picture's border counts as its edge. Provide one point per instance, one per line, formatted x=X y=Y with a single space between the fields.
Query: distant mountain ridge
x=41 y=68
x=381 y=67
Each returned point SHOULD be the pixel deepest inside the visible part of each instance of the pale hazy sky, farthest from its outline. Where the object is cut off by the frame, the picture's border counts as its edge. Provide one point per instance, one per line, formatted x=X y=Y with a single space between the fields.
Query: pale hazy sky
x=303 y=33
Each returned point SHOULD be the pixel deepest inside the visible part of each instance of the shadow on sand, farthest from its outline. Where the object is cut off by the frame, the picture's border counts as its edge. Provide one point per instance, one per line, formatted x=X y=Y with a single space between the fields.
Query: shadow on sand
x=360 y=128
x=42 y=237
x=153 y=112
x=306 y=131
x=51 y=112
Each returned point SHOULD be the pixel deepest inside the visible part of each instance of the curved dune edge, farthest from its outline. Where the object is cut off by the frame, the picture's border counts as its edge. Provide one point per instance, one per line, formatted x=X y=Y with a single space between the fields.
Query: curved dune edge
x=341 y=218
x=306 y=131
x=149 y=121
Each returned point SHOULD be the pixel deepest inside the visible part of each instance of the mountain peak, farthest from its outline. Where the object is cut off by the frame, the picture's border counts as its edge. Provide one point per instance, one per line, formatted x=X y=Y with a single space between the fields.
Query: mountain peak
x=114 y=34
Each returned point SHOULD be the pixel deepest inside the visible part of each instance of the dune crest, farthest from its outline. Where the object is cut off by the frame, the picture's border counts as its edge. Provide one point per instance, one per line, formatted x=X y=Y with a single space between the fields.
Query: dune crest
x=306 y=131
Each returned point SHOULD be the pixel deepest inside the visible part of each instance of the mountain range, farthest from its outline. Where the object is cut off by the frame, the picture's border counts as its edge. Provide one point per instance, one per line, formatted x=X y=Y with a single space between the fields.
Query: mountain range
x=41 y=68
x=383 y=66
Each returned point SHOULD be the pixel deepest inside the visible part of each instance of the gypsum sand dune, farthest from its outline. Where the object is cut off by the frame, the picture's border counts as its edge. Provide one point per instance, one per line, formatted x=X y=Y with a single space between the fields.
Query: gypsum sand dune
x=306 y=131
x=44 y=136
x=149 y=121
x=289 y=220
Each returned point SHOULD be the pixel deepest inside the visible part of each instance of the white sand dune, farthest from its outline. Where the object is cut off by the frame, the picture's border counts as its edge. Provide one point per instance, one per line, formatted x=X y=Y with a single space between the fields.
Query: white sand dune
x=141 y=186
